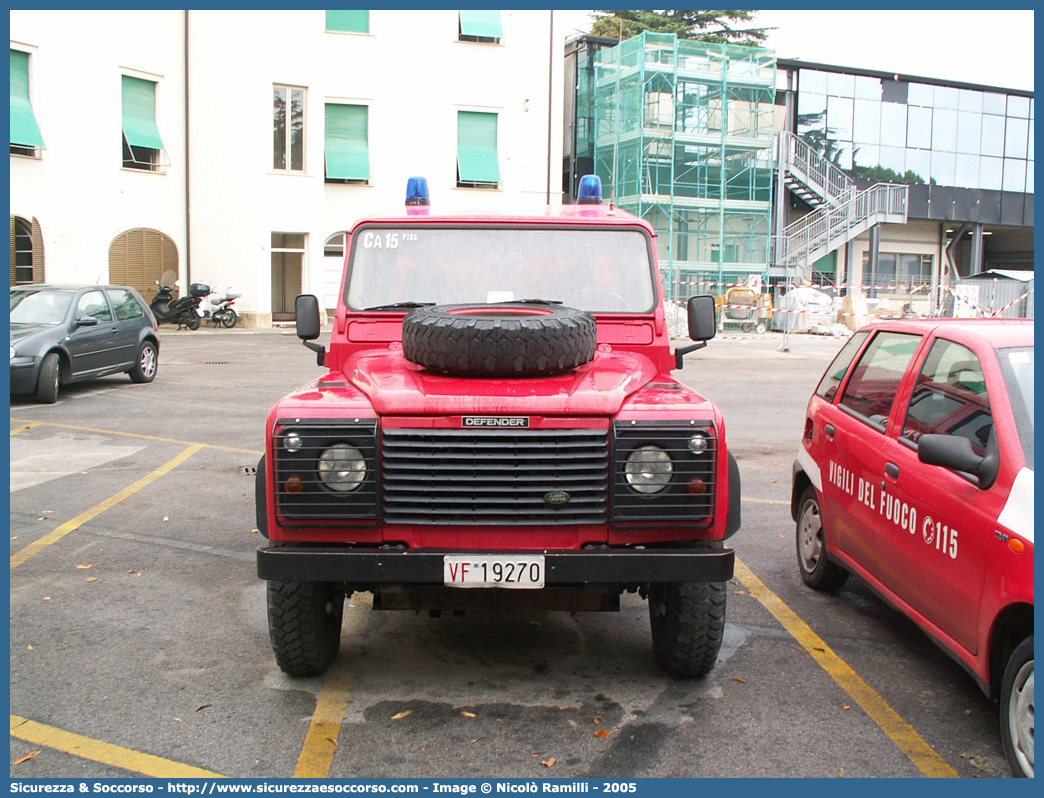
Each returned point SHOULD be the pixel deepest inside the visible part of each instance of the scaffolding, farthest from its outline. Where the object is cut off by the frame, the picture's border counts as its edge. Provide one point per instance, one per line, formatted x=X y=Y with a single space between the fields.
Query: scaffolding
x=681 y=134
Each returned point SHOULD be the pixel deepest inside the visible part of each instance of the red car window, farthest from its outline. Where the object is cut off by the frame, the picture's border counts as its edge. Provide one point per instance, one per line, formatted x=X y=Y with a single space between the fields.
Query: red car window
x=874 y=383
x=950 y=397
x=827 y=387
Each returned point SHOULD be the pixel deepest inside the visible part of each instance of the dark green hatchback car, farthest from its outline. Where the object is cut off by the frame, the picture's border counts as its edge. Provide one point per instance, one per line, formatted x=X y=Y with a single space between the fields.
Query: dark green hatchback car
x=64 y=334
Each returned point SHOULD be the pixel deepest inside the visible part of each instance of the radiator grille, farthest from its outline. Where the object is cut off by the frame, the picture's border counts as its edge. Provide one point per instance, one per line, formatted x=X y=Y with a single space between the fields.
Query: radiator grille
x=495 y=476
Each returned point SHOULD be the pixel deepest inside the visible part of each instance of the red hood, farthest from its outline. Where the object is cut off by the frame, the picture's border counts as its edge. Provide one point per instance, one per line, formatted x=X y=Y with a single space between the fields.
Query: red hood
x=397 y=387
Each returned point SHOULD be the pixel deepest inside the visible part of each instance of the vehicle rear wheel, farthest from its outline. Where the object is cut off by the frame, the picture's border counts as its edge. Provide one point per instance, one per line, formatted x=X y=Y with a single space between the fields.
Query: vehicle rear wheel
x=148 y=363
x=688 y=623
x=48 y=378
x=1016 y=709
x=817 y=570
x=192 y=321
x=304 y=623
x=229 y=319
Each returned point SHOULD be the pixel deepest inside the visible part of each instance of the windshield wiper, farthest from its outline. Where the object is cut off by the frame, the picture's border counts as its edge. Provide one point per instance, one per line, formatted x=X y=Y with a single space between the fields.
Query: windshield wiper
x=401 y=305
x=533 y=302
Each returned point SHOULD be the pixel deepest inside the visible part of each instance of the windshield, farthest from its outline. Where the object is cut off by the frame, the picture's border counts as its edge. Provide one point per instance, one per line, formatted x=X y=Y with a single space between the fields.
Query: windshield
x=594 y=270
x=33 y=306
x=1017 y=365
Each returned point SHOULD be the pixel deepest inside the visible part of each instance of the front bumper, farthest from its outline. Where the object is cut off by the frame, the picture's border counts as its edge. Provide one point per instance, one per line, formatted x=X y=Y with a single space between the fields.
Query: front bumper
x=563 y=568
x=24 y=372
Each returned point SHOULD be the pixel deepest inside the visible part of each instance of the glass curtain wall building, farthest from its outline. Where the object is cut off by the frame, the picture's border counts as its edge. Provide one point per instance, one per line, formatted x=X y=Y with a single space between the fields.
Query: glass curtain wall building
x=966 y=152
x=918 y=133
x=681 y=134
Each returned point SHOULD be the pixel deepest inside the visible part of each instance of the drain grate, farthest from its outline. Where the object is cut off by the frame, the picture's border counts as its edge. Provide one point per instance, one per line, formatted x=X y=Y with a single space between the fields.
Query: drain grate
x=217 y=362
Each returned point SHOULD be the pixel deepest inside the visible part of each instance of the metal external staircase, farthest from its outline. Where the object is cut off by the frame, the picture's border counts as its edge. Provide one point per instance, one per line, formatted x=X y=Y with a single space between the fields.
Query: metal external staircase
x=840 y=211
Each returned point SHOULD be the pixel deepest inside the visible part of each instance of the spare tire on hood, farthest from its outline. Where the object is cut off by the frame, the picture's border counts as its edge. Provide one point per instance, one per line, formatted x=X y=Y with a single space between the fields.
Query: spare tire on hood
x=499 y=340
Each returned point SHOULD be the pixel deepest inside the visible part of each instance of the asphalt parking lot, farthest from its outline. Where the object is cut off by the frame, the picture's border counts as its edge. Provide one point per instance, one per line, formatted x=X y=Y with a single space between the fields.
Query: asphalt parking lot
x=139 y=642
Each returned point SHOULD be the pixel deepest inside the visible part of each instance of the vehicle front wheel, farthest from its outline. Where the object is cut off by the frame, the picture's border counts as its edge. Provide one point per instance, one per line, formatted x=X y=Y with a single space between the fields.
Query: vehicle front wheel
x=816 y=568
x=304 y=623
x=148 y=363
x=688 y=623
x=48 y=378
x=1016 y=709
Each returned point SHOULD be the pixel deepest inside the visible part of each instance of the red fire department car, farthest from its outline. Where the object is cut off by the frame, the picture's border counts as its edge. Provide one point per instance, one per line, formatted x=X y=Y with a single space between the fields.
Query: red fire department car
x=497 y=427
x=915 y=472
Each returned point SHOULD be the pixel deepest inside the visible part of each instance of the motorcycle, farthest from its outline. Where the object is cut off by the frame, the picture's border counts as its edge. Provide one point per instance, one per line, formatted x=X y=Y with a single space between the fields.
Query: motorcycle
x=183 y=311
x=224 y=314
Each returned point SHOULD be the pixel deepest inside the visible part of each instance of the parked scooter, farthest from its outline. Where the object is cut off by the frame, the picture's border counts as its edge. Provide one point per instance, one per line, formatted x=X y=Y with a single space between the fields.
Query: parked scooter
x=224 y=314
x=183 y=311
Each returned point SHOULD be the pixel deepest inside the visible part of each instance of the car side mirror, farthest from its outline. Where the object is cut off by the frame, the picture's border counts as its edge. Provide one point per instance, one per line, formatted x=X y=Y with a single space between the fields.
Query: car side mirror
x=956 y=453
x=86 y=321
x=702 y=326
x=306 y=309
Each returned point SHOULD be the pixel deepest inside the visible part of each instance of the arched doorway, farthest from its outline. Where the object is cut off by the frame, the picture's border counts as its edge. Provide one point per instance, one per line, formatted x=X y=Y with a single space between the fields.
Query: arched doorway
x=139 y=258
x=27 y=251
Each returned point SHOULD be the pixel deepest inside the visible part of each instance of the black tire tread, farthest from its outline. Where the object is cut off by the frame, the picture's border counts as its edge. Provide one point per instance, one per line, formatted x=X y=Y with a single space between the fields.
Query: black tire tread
x=1022 y=654
x=305 y=637
x=827 y=576
x=136 y=373
x=47 y=381
x=687 y=642
x=506 y=345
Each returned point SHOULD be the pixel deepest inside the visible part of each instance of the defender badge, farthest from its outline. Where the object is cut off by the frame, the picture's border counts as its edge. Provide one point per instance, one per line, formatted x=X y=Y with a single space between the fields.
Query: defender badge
x=495 y=422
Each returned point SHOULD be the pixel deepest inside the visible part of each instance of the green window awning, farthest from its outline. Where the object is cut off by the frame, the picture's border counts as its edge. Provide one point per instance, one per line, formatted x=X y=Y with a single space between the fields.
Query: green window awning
x=482 y=24
x=24 y=130
x=348 y=21
x=477 y=160
x=347 y=144
x=139 y=113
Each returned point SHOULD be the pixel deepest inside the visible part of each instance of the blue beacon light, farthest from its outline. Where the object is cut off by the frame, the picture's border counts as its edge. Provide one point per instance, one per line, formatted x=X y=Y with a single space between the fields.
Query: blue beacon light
x=590 y=190
x=417 y=196
x=589 y=196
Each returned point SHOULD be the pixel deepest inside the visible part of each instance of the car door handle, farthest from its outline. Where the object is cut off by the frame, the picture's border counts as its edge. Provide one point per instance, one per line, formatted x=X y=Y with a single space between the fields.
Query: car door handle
x=892 y=470
x=829 y=430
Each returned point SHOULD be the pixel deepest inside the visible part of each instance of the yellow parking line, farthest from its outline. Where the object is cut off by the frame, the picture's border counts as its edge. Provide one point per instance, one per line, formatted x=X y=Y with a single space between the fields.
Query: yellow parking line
x=888 y=720
x=31 y=424
x=106 y=753
x=24 y=427
x=766 y=501
x=39 y=545
x=321 y=740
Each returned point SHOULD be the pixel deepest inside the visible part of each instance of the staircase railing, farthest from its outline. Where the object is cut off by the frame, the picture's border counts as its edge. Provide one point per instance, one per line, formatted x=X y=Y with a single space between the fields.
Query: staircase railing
x=823 y=177
x=881 y=202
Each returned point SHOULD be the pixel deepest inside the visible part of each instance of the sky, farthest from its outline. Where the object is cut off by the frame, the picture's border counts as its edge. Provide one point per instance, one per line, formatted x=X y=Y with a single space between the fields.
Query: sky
x=991 y=48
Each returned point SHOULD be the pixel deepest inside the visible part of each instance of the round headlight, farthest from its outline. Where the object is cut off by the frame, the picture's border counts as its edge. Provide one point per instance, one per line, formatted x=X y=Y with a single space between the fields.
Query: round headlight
x=13 y=353
x=648 y=469
x=342 y=467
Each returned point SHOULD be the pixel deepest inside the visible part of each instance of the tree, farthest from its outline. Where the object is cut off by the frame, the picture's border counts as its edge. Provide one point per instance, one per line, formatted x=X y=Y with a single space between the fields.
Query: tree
x=715 y=27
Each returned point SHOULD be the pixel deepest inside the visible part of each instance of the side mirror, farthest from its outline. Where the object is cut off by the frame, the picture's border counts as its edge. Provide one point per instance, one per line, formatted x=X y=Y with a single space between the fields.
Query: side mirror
x=306 y=309
x=86 y=321
x=956 y=453
x=702 y=326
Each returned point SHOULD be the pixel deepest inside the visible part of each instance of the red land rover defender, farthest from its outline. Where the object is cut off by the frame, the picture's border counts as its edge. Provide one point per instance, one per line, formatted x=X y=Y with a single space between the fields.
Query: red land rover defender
x=498 y=427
